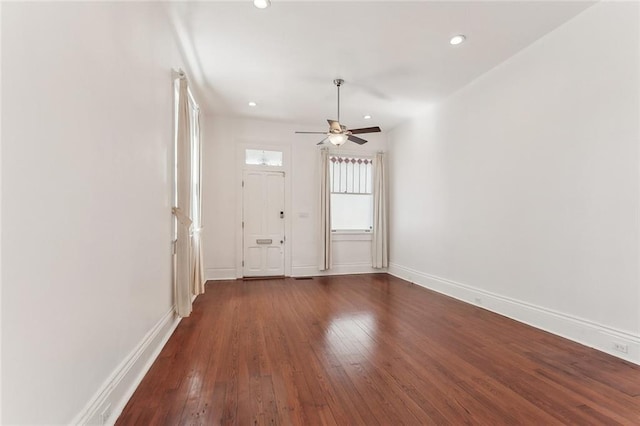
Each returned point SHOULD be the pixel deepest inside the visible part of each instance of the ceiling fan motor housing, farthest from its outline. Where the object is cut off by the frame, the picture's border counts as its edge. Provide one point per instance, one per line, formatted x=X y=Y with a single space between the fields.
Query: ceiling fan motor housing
x=334 y=127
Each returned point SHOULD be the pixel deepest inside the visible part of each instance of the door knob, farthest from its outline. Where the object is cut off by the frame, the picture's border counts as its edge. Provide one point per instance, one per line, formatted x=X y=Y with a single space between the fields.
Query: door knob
x=281 y=215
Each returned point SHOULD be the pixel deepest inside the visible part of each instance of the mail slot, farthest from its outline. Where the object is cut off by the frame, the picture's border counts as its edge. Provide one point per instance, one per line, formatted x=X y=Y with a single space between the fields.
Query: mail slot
x=264 y=241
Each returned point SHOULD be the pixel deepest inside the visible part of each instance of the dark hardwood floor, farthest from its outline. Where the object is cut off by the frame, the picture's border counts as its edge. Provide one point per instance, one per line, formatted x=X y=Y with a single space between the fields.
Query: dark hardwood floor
x=367 y=350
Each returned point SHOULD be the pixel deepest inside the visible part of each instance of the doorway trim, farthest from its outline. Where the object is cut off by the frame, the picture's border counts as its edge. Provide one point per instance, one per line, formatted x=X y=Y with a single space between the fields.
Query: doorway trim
x=241 y=167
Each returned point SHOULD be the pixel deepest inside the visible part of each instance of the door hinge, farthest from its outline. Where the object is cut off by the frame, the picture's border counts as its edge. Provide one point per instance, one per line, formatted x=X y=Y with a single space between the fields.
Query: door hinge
x=243 y=263
x=243 y=184
x=243 y=224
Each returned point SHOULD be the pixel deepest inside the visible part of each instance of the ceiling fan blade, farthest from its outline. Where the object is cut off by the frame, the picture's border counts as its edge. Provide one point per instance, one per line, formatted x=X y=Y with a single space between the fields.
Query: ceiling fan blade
x=366 y=130
x=312 y=133
x=334 y=126
x=322 y=142
x=357 y=140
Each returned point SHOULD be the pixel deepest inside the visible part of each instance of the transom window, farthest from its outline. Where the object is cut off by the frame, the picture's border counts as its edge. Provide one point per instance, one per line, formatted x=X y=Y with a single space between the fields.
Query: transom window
x=351 y=193
x=259 y=157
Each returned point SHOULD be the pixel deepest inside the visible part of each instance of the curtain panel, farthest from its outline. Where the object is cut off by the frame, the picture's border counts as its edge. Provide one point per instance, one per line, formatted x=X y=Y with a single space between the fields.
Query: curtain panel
x=197 y=264
x=325 y=212
x=380 y=237
x=182 y=211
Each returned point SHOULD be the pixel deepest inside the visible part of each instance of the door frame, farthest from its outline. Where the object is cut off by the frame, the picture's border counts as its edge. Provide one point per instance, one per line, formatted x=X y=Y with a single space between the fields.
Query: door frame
x=241 y=167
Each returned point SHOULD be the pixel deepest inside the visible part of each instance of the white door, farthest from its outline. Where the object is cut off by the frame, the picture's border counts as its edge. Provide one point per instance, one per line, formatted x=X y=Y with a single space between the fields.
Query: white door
x=263 y=223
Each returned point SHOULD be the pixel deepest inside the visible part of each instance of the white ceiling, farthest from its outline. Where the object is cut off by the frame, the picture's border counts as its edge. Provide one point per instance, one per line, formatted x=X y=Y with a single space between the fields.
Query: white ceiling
x=395 y=57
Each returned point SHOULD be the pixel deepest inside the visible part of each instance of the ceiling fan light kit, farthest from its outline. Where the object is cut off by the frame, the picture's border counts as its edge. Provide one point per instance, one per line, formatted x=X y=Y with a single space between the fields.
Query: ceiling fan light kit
x=338 y=139
x=338 y=133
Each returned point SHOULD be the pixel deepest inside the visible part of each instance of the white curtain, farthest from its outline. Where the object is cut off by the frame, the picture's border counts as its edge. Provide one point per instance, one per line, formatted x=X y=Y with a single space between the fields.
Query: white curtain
x=325 y=212
x=197 y=264
x=198 y=280
x=380 y=240
x=182 y=211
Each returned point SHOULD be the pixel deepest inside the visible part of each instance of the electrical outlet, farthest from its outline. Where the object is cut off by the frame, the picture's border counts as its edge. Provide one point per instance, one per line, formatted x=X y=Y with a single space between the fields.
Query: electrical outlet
x=621 y=347
x=106 y=413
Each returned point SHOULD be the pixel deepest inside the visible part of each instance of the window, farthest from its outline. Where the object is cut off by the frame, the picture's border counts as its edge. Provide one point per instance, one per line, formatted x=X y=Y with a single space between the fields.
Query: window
x=258 y=157
x=351 y=193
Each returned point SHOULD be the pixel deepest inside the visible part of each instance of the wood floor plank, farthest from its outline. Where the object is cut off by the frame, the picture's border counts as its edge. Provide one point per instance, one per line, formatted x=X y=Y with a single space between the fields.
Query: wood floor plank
x=367 y=350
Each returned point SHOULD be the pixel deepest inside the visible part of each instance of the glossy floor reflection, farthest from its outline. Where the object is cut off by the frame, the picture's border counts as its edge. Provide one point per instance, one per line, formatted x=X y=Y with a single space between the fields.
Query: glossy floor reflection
x=371 y=349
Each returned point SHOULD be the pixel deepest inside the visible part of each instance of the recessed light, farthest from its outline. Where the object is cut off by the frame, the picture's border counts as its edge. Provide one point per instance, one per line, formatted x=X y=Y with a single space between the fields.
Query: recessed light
x=262 y=4
x=252 y=104
x=367 y=117
x=457 y=39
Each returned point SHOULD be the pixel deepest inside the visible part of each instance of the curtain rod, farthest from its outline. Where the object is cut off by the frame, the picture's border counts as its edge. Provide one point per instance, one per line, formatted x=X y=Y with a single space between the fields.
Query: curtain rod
x=354 y=154
x=178 y=73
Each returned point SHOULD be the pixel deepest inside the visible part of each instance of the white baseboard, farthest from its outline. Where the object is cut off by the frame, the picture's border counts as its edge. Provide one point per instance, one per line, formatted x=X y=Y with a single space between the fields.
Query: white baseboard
x=585 y=332
x=220 y=274
x=217 y=274
x=119 y=387
x=345 y=269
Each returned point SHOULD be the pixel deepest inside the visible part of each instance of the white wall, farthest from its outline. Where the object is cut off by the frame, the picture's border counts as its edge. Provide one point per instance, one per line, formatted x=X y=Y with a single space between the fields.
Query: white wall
x=0 y=217
x=86 y=186
x=222 y=193
x=521 y=191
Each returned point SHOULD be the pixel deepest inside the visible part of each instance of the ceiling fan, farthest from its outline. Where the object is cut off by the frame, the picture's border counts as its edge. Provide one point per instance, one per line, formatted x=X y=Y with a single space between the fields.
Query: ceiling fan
x=338 y=133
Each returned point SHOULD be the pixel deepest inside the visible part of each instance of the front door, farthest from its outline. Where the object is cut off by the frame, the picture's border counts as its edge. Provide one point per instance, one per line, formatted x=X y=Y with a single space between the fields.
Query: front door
x=263 y=223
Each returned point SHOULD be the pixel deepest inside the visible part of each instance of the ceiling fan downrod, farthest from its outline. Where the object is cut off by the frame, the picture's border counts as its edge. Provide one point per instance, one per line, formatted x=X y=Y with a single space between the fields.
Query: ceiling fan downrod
x=338 y=82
